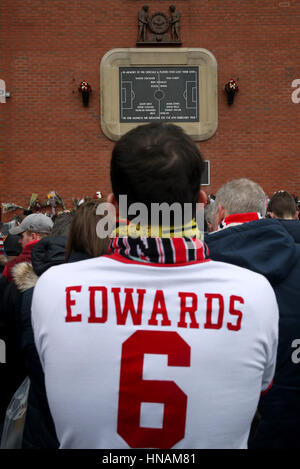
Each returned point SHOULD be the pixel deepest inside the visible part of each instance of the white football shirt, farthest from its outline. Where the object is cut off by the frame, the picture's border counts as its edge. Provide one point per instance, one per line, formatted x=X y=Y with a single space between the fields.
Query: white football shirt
x=154 y=356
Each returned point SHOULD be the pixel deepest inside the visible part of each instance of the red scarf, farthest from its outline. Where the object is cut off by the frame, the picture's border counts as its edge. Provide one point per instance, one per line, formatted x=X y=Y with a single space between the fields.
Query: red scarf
x=239 y=218
x=160 y=250
x=25 y=256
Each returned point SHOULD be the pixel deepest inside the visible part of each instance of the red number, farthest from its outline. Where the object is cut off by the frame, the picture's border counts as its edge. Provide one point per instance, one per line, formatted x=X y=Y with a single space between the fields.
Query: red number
x=134 y=390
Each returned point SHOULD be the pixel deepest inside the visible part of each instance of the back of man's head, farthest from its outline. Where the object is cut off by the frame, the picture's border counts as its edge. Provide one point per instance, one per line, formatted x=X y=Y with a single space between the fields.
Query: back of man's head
x=156 y=162
x=282 y=205
x=241 y=196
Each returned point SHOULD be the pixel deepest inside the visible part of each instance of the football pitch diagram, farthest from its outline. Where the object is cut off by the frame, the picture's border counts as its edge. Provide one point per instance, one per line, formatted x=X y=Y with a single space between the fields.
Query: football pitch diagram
x=159 y=93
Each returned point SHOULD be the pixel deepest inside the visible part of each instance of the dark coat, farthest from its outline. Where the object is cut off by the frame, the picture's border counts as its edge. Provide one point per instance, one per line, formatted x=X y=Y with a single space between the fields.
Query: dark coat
x=39 y=430
x=266 y=247
x=12 y=372
x=293 y=228
x=77 y=256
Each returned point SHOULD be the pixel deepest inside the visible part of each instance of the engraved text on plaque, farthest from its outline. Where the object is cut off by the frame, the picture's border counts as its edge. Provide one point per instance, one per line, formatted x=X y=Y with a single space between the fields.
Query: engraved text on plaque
x=159 y=93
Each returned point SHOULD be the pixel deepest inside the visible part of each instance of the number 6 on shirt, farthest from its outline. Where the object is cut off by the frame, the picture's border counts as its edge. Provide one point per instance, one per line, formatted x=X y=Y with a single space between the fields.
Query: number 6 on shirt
x=134 y=390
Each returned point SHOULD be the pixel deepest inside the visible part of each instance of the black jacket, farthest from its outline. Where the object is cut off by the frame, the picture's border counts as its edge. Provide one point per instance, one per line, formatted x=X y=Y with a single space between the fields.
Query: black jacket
x=12 y=372
x=39 y=430
x=266 y=247
x=293 y=228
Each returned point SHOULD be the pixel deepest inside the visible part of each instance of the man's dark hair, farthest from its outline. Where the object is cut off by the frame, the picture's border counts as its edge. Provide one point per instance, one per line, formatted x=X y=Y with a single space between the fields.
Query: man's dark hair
x=157 y=162
x=282 y=204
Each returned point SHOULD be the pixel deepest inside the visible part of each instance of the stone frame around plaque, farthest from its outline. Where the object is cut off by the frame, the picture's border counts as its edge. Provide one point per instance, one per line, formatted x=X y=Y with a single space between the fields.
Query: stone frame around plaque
x=116 y=59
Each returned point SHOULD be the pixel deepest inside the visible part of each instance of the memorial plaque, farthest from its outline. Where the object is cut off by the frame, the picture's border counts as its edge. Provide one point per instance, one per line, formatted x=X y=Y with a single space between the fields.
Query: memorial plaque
x=142 y=85
x=159 y=93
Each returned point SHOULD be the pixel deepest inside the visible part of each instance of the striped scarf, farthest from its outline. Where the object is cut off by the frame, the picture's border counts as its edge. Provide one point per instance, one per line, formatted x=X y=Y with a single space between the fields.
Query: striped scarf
x=238 y=219
x=2 y=252
x=160 y=250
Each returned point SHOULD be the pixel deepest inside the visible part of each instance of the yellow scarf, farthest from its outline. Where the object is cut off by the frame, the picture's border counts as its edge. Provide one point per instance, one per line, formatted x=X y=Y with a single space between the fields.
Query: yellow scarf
x=127 y=228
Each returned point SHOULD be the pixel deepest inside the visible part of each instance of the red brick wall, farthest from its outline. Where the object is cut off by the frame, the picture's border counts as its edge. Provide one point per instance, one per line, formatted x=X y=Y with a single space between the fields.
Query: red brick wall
x=49 y=141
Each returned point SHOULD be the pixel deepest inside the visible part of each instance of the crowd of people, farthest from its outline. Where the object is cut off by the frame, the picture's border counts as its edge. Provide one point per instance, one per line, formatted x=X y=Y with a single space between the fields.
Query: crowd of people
x=90 y=317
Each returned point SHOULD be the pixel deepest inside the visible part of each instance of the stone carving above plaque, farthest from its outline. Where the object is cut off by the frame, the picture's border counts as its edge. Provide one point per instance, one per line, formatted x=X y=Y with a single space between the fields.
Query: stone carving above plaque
x=158 y=28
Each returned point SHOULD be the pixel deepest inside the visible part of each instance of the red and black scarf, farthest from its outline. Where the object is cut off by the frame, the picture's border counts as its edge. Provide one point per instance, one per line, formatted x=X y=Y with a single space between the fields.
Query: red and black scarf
x=160 y=250
x=239 y=218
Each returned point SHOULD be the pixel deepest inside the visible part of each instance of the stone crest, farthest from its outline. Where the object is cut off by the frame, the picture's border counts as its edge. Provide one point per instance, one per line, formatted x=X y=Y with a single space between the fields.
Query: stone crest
x=158 y=28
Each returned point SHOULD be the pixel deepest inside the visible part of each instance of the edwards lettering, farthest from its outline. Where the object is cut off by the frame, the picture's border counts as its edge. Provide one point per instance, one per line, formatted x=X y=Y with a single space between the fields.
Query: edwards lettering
x=126 y=306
